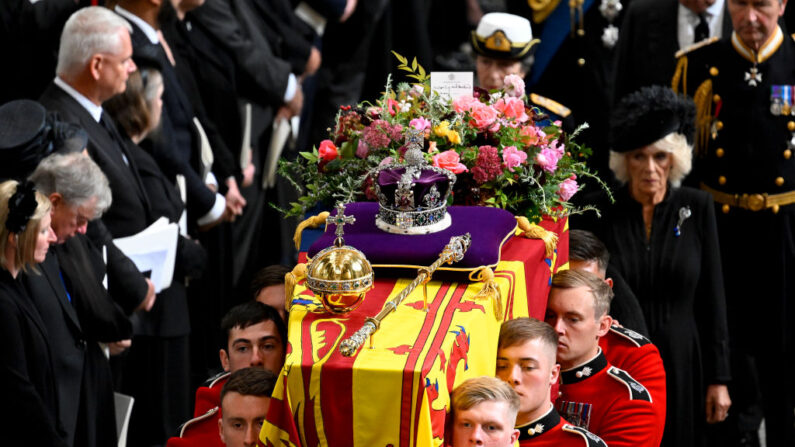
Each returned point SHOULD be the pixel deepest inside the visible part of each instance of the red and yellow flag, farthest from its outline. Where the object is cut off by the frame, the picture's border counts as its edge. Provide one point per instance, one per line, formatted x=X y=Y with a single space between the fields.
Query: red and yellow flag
x=396 y=391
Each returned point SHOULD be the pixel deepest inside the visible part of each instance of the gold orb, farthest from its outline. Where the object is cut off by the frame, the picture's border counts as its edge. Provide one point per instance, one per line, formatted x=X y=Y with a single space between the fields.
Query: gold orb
x=340 y=276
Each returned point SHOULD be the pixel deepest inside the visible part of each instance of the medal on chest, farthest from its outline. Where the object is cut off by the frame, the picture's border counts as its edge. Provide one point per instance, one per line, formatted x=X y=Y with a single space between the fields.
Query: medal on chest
x=753 y=76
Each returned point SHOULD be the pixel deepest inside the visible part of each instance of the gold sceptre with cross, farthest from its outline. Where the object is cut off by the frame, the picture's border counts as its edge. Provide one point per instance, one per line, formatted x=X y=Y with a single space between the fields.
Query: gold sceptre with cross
x=453 y=252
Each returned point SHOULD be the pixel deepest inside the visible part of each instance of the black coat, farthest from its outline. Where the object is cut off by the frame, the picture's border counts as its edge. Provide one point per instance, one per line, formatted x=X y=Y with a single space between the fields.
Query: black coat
x=30 y=414
x=176 y=149
x=647 y=44
x=679 y=284
x=129 y=212
x=74 y=357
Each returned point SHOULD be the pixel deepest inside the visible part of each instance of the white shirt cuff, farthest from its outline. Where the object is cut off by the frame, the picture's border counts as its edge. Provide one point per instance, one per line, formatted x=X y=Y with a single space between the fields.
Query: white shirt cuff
x=292 y=86
x=215 y=213
x=211 y=180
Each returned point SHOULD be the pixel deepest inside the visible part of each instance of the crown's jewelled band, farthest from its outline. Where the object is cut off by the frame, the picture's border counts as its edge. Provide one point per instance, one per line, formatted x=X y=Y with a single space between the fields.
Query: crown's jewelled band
x=357 y=285
x=409 y=219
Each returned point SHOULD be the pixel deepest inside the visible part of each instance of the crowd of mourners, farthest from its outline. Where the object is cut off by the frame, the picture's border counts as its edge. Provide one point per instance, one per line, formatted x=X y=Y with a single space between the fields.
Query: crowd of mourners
x=671 y=327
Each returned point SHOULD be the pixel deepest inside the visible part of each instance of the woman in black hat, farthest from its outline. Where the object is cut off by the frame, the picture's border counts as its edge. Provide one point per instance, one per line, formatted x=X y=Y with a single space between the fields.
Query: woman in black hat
x=663 y=240
x=29 y=414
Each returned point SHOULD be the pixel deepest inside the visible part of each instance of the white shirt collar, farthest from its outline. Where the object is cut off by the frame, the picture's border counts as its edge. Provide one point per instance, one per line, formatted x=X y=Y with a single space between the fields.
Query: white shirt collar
x=687 y=20
x=150 y=32
x=93 y=109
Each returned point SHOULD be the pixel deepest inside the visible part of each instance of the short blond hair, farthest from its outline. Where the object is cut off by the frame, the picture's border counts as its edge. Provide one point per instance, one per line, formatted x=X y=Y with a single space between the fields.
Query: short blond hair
x=673 y=143
x=600 y=290
x=485 y=389
x=26 y=240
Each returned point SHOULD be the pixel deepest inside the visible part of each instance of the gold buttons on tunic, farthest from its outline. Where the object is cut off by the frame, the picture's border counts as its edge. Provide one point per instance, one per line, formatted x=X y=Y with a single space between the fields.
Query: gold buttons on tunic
x=774 y=208
x=725 y=208
x=719 y=152
x=580 y=62
x=713 y=71
x=787 y=154
x=719 y=125
x=791 y=126
x=716 y=98
x=580 y=32
x=779 y=181
x=722 y=180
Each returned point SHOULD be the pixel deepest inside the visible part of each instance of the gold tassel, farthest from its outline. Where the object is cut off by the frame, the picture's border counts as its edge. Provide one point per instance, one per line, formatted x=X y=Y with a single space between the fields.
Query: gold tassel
x=533 y=231
x=703 y=100
x=313 y=222
x=490 y=291
x=290 y=280
x=680 y=74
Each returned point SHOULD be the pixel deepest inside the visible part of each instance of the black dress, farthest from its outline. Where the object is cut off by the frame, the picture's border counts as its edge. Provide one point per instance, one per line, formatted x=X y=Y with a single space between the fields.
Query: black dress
x=678 y=282
x=29 y=414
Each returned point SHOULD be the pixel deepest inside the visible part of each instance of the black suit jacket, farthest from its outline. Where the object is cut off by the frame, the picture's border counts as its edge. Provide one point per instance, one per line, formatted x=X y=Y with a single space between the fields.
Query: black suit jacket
x=129 y=212
x=262 y=77
x=30 y=414
x=74 y=357
x=647 y=44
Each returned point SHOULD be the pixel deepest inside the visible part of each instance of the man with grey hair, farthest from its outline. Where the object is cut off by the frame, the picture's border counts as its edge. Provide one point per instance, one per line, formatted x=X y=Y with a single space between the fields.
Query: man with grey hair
x=74 y=305
x=94 y=60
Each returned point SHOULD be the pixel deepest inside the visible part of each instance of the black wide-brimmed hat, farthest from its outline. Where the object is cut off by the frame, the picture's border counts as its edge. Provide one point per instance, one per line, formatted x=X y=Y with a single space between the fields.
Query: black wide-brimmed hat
x=28 y=133
x=649 y=114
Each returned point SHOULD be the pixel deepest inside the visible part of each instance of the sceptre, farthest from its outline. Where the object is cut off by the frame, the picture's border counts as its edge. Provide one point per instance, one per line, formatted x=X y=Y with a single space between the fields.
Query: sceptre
x=453 y=252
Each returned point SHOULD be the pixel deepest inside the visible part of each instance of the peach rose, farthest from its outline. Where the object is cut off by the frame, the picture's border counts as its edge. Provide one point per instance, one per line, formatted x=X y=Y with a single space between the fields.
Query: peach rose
x=449 y=160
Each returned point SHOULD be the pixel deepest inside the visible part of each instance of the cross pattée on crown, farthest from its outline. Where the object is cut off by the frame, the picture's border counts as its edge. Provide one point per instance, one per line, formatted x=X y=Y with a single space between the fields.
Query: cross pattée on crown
x=340 y=220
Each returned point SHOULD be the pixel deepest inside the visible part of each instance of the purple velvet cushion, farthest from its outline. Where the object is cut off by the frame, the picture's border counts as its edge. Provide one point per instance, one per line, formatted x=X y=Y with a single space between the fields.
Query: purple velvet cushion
x=489 y=228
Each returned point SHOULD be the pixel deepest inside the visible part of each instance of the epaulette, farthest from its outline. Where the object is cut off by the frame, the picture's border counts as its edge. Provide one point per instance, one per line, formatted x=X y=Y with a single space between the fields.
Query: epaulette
x=213 y=380
x=696 y=46
x=636 y=390
x=210 y=413
x=553 y=106
x=634 y=337
x=591 y=440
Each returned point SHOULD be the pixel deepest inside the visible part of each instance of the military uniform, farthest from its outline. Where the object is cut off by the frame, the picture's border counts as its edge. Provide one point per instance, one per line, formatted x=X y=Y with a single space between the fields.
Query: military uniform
x=744 y=146
x=202 y=430
x=640 y=358
x=610 y=403
x=552 y=430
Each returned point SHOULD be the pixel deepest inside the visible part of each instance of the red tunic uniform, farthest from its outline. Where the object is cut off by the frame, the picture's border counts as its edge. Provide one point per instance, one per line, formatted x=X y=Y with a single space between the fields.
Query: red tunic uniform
x=553 y=431
x=635 y=354
x=610 y=403
x=202 y=430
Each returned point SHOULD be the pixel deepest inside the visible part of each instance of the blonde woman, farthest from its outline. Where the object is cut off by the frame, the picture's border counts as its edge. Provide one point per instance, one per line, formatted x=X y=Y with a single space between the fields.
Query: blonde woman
x=29 y=415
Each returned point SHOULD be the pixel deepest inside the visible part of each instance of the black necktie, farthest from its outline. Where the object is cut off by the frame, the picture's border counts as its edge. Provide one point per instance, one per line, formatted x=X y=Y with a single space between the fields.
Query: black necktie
x=107 y=123
x=702 y=29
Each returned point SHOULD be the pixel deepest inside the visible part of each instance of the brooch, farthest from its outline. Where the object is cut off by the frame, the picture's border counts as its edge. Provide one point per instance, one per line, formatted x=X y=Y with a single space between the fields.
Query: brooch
x=684 y=214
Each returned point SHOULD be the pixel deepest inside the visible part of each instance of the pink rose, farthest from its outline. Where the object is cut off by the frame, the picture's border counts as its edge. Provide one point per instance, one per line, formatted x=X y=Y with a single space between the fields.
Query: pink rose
x=514 y=86
x=449 y=160
x=484 y=116
x=567 y=189
x=420 y=123
x=512 y=108
x=513 y=157
x=392 y=106
x=464 y=103
x=362 y=149
x=327 y=150
x=548 y=159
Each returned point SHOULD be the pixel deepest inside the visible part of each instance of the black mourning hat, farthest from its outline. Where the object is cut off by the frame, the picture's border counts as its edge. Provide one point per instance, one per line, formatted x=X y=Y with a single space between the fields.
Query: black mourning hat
x=649 y=114
x=28 y=133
